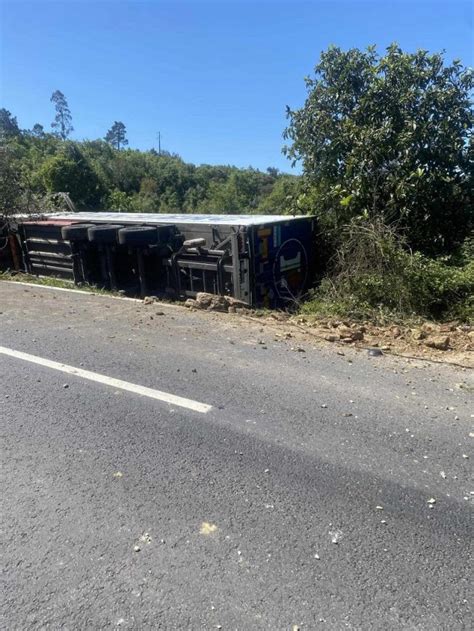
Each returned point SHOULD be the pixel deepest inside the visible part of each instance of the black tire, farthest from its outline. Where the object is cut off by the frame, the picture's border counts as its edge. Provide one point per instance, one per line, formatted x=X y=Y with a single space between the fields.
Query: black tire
x=138 y=235
x=106 y=233
x=76 y=231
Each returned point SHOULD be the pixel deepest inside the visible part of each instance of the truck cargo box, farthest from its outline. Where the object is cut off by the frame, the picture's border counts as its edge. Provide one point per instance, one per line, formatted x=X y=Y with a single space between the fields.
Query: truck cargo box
x=262 y=260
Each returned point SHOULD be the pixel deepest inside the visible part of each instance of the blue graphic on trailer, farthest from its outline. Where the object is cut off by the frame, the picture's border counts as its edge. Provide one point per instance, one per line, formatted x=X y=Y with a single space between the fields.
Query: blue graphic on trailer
x=282 y=261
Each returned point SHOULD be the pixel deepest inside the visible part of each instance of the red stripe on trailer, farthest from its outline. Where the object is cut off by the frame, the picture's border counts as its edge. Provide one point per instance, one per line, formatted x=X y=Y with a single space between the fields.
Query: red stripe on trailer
x=49 y=222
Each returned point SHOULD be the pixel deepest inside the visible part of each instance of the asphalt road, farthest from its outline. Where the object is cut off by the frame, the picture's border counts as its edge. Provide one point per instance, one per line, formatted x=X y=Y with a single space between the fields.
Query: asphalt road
x=300 y=500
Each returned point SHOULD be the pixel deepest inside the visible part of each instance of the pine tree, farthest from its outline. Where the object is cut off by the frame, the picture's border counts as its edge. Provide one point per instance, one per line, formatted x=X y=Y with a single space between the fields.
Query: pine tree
x=62 y=124
x=116 y=136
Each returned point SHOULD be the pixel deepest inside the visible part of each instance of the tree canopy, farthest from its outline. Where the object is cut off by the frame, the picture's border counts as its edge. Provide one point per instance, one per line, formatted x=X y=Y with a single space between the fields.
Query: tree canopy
x=62 y=123
x=8 y=124
x=99 y=176
x=117 y=135
x=389 y=136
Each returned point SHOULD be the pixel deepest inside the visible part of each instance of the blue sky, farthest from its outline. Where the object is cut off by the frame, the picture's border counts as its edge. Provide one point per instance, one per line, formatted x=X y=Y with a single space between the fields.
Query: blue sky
x=213 y=77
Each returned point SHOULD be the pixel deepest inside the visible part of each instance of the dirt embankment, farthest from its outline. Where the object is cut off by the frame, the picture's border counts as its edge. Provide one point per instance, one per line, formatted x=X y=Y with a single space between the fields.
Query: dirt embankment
x=451 y=342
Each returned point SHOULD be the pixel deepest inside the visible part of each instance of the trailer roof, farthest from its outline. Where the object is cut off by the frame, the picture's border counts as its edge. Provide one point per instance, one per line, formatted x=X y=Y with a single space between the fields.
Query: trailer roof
x=224 y=220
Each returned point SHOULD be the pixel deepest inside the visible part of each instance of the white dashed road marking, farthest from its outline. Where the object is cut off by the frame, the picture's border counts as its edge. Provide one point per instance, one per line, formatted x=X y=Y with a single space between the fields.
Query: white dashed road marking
x=172 y=399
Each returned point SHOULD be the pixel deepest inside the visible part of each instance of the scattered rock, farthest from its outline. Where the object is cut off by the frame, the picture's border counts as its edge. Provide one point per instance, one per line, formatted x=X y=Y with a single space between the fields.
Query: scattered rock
x=190 y=303
x=160 y=313
x=331 y=338
x=346 y=334
x=441 y=342
x=234 y=302
x=207 y=528
x=448 y=327
x=374 y=352
x=336 y=536
x=148 y=300
x=214 y=302
x=344 y=331
x=442 y=474
x=203 y=299
x=65 y=385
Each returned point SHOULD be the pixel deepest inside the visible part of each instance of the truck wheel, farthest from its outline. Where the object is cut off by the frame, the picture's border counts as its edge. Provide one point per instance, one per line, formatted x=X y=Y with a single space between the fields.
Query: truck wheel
x=106 y=233
x=138 y=235
x=76 y=231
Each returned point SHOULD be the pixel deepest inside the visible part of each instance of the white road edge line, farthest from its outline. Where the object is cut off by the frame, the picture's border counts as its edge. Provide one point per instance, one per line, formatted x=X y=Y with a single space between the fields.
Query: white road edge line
x=172 y=399
x=157 y=303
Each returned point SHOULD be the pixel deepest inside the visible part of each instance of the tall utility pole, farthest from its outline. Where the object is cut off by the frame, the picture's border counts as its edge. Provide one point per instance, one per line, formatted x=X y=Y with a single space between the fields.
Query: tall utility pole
x=159 y=143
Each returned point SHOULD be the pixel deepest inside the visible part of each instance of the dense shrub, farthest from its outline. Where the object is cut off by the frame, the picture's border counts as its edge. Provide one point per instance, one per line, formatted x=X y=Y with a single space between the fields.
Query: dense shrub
x=374 y=275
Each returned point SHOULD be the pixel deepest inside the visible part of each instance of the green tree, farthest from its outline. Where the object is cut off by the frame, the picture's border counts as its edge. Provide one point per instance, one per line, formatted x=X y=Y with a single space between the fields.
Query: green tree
x=37 y=130
x=10 y=182
x=282 y=198
x=62 y=124
x=8 y=125
x=117 y=135
x=69 y=172
x=389 y=136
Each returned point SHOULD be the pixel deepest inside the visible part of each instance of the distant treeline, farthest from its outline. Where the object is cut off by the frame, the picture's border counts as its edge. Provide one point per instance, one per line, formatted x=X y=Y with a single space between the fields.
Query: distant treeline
x=101 y=174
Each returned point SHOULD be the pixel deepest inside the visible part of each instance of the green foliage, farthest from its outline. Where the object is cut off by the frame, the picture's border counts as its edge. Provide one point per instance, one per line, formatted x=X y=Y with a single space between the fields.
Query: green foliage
x=70 y=172
x=117 y=135
x=120 y=201
x=375 y=276
x=99 y=176
x=62 y=124
x=283 y=197
x=390 y=137
x=10 y=182
x=8 y=124
x=37 y=130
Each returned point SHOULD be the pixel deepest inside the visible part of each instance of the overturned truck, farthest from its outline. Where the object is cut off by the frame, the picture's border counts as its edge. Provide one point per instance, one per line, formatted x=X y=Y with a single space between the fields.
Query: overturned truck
x=262 y=260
